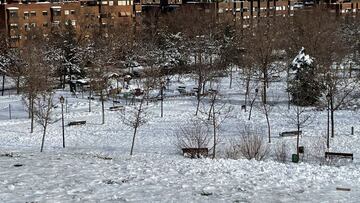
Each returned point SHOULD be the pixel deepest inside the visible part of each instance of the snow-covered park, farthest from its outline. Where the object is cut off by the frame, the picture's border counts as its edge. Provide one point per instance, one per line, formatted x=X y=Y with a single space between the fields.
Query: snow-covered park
x=95 y=165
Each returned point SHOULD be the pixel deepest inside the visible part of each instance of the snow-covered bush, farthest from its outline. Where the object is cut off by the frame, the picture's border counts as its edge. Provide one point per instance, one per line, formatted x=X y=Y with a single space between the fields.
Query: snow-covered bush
x=253 y=146
x=250 y=145
x=315 y=150
x=193 y=134
x=280 y=152
x=232 y=150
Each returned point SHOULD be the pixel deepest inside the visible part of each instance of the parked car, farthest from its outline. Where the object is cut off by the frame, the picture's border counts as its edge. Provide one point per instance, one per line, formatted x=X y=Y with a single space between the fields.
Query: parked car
x=298 y=5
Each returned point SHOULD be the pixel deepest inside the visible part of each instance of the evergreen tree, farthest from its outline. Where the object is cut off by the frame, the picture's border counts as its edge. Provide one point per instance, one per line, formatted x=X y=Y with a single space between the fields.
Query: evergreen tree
x=304 y=86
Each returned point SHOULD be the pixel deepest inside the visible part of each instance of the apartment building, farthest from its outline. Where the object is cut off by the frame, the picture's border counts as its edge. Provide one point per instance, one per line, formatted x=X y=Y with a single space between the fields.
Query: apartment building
x=19 y=17
x=348 y=7
x=257 y=8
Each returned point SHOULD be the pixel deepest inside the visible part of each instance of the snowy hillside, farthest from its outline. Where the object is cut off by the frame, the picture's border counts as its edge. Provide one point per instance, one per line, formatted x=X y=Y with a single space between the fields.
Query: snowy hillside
x=95 y=166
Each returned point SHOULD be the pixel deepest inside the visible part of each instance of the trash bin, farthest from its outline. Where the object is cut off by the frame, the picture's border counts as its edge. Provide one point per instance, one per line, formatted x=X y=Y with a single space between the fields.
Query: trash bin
x=295 y=158
x=301 y=149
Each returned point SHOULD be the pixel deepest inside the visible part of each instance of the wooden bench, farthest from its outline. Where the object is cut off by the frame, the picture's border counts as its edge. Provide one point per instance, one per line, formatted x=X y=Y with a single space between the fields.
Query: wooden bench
x=117 y=108
x=329 y=155
x=289 y=133
x=77 y=123
x=181 y=90
x=195 y=152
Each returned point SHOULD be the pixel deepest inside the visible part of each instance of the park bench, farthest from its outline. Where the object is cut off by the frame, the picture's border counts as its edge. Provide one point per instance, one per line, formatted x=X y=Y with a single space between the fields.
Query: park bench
x=181 y=89
x=77 y=123
x=289 y=133
x=195 y=152
x=117 y=108
x=329 y=155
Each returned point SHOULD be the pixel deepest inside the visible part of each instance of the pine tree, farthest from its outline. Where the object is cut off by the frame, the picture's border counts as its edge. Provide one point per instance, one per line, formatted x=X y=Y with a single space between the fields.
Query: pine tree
x=304 y=86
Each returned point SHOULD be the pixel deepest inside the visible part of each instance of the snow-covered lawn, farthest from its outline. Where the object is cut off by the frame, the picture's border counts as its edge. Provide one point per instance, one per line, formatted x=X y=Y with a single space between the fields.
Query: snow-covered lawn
x=96 y=166
x=66 y=177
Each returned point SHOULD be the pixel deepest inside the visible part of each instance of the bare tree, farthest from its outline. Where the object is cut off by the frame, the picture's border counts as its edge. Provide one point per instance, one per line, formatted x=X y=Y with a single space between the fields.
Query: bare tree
x=299 y=117
x=43 y=110
x=252 y=102
x=340 y=91
x=35 y=75
x=261 y=50
x=266 y=110
x=218 y=111
x=138 y=115
x=135 y=118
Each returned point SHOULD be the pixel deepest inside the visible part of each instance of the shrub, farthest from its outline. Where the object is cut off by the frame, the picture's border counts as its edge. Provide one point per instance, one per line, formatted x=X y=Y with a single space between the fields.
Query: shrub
x=280 y=152
x=194 y=134
x=250 y=145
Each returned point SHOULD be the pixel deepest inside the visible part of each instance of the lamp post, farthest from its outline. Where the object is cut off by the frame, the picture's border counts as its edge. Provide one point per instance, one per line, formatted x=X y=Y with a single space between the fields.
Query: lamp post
x=62 y=100
x=328 y=97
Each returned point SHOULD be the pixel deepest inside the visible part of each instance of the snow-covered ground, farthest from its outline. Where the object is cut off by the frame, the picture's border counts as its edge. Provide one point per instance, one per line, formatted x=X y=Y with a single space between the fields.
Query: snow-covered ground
x=96 y=166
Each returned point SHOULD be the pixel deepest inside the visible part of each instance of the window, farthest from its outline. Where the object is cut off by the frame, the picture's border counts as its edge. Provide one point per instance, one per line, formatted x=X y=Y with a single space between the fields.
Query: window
x=73 y=22
x=111 y=3
x=66 y=12
x=26 y=15
x=121 y=3
x=32 y=13
x=45 y=13
x=56 y=23
x=13 y=13
x=26 y=26
x=56 y=11
x=45 y=24
x=72 y=12
x=14 y=37
x=13 y=26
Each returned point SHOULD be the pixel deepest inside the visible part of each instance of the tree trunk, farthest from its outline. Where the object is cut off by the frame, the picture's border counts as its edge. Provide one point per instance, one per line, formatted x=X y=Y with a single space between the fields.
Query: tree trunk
x=214 y=129
x=269 y=128
x=90 y=101
x=43 y=138
x=251 y=106
x=231 y=77
x=264 y=87
x=197 y=105
x=18 y=85
x=198 y=97
x=3 y=85
x=102 y=107
x=332 y=110
x=136 y=125
x=332 y=123
x=64 y=80
x=298 y=139
x=32 y=114
x=133 y=141
x=247 y=89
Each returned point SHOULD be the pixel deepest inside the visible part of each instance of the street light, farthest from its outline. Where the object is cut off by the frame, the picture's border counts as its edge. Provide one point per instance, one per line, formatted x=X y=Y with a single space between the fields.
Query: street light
x=328 y=97
x=62 y=100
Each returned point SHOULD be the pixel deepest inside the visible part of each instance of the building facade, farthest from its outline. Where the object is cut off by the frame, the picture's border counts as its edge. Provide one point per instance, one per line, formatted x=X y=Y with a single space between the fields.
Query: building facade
x=19 y=17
